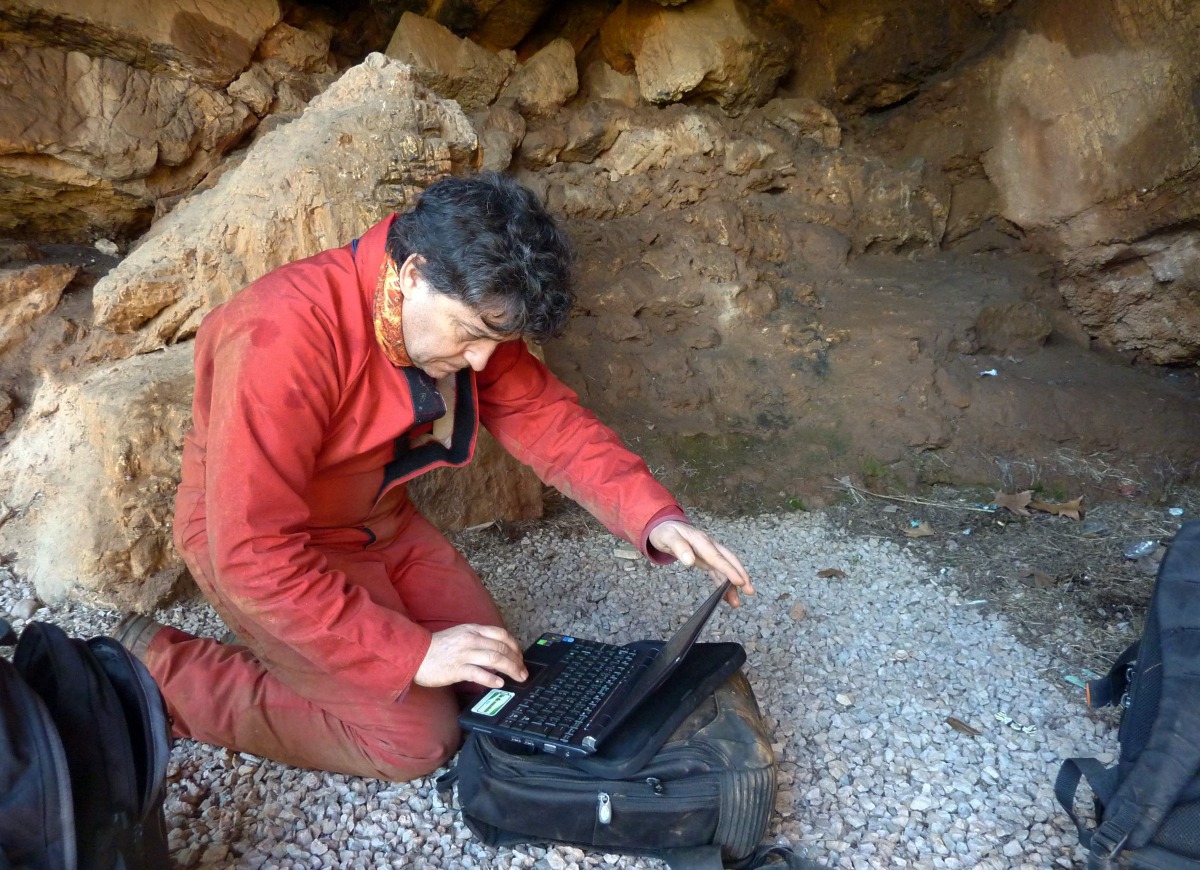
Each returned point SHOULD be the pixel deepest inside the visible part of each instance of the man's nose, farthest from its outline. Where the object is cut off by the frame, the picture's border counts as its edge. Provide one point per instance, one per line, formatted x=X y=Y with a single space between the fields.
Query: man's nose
x=477 y=355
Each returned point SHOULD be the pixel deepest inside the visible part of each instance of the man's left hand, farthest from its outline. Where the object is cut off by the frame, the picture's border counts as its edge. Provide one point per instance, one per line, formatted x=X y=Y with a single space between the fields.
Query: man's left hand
x=698 y=549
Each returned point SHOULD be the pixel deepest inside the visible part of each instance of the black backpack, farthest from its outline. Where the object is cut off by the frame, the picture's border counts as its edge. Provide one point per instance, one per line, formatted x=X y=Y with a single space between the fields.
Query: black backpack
x=84 y=746
x=701 y=800
x=1148 y=804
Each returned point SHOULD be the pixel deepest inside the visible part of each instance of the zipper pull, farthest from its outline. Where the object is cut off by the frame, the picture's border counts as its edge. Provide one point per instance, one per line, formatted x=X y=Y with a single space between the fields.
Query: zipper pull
x=603 y=808
x=656 y=784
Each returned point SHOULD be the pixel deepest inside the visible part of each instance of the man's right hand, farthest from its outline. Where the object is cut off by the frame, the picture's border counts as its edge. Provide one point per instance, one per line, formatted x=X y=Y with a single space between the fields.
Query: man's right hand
x=471 y=654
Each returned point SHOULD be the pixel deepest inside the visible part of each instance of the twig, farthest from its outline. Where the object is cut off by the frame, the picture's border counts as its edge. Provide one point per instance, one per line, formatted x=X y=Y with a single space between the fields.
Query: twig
x=908 y=499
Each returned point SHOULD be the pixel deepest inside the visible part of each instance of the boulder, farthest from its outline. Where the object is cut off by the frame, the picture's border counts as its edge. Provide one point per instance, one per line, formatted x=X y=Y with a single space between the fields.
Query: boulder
x=209 y=42
x=506 y=22
x=454 y=68
x=601 y=82
x=98 y=458
x=549 y=78
x=709 y=48
x=26 y=294
x=501 y=130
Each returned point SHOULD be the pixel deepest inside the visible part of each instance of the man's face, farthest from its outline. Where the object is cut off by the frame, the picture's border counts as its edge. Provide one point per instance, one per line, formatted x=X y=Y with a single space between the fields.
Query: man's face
x=441 y=334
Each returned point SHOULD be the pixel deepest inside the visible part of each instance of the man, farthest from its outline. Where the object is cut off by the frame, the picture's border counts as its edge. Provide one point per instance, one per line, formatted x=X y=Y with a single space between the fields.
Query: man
x=320 y=390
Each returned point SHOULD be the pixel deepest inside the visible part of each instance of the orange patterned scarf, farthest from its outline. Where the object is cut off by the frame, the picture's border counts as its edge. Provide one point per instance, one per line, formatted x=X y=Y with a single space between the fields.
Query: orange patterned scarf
x=388 y=315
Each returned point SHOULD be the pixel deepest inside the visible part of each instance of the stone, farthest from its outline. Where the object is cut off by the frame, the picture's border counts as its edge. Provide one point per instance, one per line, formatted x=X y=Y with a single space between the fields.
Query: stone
x=545 y=82
x=1012 y=330
x=210 y=42
x=590 y=131
x=26 y=608
x=501 y=130
x=600 y=81
x=451 y=67
x=26 y=294
x=255 y=88
x=705 y=48
x=302 y=50
x=804 y=119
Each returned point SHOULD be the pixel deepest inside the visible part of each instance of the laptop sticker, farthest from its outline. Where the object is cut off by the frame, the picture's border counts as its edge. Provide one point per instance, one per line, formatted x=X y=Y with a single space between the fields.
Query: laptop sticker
x=492 y=703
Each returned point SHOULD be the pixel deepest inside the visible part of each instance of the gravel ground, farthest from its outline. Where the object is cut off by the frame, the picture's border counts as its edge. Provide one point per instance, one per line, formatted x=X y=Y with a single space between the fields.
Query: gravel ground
x=857 y=675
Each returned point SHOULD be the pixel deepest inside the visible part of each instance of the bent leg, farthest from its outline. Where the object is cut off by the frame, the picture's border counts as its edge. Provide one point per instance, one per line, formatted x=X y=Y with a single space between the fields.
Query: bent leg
x=438 y=587
x=223 y=695
x=266 y=700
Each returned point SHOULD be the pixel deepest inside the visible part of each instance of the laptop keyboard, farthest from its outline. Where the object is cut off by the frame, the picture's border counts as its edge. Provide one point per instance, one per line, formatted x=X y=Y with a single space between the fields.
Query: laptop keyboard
x=561 y=706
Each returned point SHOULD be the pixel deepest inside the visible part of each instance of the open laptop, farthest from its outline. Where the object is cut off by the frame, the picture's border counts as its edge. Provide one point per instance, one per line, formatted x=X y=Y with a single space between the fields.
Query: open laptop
x=578 y=691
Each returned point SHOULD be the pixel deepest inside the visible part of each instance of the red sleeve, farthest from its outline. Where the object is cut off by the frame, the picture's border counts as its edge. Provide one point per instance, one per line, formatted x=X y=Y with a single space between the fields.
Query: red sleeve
x=539 y=420
x=274 y=386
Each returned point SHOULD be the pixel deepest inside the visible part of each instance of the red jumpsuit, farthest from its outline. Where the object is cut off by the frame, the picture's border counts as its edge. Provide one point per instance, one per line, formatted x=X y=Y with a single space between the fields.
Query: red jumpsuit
x=292 y=517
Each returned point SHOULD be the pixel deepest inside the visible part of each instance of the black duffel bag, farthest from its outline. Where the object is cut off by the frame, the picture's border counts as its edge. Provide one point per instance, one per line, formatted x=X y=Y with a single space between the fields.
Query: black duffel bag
x=702 y=800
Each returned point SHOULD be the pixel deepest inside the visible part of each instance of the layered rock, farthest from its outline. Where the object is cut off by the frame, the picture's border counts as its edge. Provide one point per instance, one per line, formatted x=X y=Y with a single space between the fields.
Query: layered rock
x=208 y=42
x=114 y=110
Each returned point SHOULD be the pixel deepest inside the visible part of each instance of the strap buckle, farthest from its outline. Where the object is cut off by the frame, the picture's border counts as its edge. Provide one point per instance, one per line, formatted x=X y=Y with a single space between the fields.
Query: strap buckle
x=1108 y=840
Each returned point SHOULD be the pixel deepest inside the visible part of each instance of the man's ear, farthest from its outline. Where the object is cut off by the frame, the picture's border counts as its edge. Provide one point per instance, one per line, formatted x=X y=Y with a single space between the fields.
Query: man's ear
x=410 y=275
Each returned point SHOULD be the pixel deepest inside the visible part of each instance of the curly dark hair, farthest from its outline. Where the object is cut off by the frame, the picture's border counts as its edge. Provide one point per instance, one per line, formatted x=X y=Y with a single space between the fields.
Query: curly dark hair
x=488 y=242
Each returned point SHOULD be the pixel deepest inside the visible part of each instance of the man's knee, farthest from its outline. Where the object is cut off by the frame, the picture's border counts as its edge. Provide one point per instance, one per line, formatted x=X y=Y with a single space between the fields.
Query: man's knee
x=425 y=737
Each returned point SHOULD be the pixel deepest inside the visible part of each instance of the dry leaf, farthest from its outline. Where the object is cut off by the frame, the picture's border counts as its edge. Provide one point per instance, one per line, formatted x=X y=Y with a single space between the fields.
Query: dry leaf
x=837 y=573
x=1072 y=509
x=921 y=530
x=1017 y=502
x=960 y=725
x=799 y=611
x=1042 y=580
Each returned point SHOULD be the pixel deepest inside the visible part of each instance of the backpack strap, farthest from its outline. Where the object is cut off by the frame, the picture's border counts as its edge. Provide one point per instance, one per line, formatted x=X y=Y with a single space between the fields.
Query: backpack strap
x=1110 y=690
x=1171 y=756
x=1102 y=781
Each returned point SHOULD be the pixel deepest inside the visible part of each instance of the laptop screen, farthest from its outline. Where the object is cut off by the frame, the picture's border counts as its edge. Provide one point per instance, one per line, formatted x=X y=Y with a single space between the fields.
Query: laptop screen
x=674 y=650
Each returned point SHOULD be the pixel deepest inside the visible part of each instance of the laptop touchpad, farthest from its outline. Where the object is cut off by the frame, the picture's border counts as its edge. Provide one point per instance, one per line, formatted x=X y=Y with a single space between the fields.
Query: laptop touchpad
x=534 y=669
